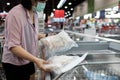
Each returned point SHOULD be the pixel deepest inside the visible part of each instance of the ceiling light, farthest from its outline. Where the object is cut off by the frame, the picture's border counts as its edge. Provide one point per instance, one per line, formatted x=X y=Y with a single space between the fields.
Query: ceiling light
x=68 y=12
x=66 y=7
x=65 y=13
x=60 y=4
x=8 y=3
x=53 y=9
x=69 y=3
x=71 y=9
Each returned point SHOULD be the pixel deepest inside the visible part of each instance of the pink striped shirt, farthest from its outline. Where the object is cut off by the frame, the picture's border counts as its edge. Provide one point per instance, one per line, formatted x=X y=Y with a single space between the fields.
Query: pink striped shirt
x=19 y=31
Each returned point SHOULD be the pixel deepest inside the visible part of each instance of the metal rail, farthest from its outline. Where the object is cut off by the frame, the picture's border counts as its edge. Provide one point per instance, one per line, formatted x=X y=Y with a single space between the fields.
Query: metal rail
x=96 y=37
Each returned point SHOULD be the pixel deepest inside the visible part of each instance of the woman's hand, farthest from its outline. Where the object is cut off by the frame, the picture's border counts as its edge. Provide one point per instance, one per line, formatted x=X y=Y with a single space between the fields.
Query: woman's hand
x=41 y=36
x=40 y=64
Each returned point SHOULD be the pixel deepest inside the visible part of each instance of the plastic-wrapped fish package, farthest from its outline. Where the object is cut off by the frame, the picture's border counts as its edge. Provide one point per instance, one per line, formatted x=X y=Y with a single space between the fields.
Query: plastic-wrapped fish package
x=58 y=43
x=63 y=63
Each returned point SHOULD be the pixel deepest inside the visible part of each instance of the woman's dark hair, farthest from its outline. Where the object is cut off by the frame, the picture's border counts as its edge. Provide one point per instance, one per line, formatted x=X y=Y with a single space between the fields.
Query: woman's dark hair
x=27 y=4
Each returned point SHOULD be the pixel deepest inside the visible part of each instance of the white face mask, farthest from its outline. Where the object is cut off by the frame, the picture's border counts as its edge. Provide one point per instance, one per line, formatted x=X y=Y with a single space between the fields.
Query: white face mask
x=40 y=7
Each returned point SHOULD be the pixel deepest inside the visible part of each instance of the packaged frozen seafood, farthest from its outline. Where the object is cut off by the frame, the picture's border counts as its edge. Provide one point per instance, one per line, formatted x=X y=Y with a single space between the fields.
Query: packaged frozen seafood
x=58 y=43
x=63 y=63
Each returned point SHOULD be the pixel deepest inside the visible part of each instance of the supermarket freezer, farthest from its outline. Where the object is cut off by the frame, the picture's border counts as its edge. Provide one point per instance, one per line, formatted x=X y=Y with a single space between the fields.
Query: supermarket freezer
x=102 y=62
x=101 y=52
x=101 y=55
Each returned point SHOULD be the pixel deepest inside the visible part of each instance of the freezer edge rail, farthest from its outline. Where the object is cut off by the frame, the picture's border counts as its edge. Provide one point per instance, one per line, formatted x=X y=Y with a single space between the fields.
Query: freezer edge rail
x=96 y=37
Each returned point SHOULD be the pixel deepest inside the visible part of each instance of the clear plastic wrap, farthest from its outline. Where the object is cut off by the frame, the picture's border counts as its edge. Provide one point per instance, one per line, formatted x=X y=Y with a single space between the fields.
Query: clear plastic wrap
x=58 y=43
x=63 y=63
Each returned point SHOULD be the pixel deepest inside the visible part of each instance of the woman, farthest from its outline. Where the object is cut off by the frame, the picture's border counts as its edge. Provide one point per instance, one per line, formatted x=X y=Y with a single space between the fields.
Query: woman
x=21 y=41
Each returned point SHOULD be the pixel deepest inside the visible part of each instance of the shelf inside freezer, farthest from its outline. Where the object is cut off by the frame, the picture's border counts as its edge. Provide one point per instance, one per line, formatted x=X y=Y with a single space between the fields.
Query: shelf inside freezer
x=93 y=72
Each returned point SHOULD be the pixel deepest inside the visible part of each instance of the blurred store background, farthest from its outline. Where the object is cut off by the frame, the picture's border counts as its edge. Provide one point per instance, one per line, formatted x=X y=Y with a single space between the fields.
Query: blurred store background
x=103 y=15
x=98 y=18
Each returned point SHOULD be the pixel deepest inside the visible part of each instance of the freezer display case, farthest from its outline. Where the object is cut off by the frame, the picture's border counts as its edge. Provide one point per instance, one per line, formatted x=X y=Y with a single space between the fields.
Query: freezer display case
x=98 y=65
x=101 y=63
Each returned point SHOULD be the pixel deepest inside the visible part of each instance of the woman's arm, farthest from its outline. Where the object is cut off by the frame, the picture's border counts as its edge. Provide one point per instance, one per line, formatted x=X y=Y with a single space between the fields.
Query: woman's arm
x=19 y=51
